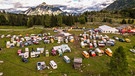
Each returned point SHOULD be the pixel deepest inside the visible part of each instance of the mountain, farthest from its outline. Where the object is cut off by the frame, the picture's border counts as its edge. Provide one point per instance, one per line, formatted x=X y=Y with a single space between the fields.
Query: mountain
x=80 y=6
x=43 y=9
x=59 y=6
x=121 y=4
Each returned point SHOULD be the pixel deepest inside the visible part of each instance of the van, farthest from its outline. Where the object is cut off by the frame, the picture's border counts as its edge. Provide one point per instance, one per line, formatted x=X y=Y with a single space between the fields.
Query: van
x=108 y=52
x=99 y=52
x=53 y=64
x=67 y=59
x=85 y=54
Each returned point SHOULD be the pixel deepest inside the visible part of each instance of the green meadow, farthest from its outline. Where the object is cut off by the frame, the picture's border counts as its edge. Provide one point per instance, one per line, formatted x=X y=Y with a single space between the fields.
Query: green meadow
x=95 y=66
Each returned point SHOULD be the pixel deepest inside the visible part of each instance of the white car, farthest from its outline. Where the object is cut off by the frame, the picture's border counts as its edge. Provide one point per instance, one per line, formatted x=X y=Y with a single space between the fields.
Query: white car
x=132 y=50
x=53 y=64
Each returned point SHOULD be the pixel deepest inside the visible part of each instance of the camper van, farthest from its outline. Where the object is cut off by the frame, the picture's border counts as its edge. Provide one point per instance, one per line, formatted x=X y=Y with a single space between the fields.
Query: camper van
x=53 y=64
x=99 y=52
x=85 y=54
x=67 y=59
x=108 y=52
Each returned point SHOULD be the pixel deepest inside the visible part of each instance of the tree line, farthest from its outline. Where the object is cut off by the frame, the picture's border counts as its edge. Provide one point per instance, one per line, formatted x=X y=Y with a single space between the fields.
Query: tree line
x=128 y=13
x=45 y=20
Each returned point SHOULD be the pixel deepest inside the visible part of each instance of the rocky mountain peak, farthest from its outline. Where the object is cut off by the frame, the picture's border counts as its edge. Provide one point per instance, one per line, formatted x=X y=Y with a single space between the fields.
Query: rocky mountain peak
x=43 y=9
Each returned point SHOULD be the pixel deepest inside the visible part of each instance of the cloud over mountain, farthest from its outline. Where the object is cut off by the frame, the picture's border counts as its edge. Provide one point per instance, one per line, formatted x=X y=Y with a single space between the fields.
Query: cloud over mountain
x=68 y=5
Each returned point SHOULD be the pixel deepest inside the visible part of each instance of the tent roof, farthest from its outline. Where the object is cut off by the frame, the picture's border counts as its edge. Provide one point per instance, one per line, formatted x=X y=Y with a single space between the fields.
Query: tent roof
x=107 y=28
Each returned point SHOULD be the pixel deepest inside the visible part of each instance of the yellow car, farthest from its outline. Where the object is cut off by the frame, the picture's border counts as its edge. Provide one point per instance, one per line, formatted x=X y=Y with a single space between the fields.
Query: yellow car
x=127 y=40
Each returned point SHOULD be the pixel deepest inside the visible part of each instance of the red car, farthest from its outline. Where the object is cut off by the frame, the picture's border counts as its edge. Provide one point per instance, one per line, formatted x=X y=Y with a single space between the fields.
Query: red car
x=19 y=51
x=92 y=53
x=53 y=52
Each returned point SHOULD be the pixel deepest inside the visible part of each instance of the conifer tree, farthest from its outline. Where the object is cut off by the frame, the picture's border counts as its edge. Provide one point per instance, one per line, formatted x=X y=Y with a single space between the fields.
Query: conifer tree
x=118 y=63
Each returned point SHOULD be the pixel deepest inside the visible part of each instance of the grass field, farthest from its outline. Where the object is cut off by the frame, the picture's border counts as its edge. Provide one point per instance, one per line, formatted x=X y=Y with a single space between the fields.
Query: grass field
x=13 y=66
x=13 y=27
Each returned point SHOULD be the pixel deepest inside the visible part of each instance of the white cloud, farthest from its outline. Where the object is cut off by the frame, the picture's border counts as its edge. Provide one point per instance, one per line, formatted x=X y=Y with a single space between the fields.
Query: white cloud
x=5 y=4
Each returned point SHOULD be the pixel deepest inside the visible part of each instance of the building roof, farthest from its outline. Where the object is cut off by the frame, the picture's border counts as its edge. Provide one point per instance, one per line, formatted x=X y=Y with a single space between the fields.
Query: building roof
x=107 y=28
x=78 y=60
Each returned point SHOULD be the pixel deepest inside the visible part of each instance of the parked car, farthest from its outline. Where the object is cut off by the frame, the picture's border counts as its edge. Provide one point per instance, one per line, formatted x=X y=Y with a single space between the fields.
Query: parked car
x=26 y=43
x=53 y=52
x=29 y=42
x=121 y=40
x=67 y=59
x=19 y=51
x=53 y=64
x=41 y=65
x=115 y=37
x=127 y=40
x=132 y=50
x=92 y=53
x=25 y=60
x=36 y=42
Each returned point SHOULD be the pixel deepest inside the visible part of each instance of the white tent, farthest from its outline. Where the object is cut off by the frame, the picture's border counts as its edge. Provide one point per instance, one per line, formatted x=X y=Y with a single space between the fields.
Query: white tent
x=107 y=29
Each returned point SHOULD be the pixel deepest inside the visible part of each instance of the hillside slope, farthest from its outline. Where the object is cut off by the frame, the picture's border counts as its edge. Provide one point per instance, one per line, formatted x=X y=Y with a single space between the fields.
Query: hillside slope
x=121 y=4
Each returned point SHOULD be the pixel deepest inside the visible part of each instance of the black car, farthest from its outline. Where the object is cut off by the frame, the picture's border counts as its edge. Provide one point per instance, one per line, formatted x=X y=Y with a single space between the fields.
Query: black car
x=121 y=40
x=25 y=60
